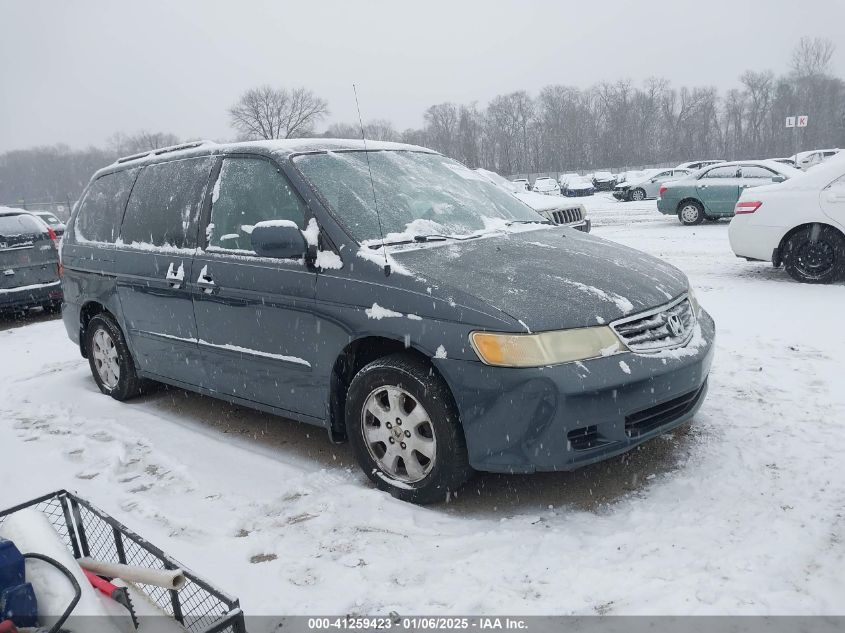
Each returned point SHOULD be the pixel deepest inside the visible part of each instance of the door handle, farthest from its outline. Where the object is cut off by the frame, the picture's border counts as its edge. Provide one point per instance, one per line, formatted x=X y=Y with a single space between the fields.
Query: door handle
x=175 y=277
x=702 y=186
x=205 y=281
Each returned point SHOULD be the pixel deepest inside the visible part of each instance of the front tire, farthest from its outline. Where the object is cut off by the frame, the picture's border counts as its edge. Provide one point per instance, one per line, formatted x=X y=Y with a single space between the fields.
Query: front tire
x=815 y=255
x=109 y=358
x=690 y=213
x=637 y=195
x=405 y=431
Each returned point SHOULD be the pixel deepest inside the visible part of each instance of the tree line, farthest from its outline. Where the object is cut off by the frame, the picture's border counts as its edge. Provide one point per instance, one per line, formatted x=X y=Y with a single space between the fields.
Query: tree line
x=562 y=128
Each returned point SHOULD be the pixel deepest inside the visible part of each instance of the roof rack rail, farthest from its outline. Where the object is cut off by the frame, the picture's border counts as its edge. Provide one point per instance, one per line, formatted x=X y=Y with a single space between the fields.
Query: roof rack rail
x=164 y=150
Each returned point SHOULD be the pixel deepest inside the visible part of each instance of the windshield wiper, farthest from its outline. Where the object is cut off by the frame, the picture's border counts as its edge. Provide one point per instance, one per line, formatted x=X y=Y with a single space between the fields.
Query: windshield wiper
x=419 y=239
x=438 y=237
x=511 y=222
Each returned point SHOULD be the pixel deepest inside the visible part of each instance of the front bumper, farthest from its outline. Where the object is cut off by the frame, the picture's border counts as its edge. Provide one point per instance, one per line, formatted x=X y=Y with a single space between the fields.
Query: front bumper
x=567 y=416
x=30 y=296
x=620 y=194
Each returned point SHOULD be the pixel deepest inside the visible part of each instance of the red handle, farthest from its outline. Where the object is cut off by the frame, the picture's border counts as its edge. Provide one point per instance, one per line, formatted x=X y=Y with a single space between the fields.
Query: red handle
x=100 y=583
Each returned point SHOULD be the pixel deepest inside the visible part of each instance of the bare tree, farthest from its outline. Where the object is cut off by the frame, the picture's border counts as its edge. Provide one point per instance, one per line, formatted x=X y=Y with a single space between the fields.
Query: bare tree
x=272 y=113
x=122 y=144
x=442 y=126
x=811 y=56
x=380 y=130
x=375 y=130
x=342 y=130
x=760 y=90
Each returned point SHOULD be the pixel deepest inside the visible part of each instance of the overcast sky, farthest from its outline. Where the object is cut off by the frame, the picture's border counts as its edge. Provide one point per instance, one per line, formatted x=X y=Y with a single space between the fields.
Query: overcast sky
x=75 y=72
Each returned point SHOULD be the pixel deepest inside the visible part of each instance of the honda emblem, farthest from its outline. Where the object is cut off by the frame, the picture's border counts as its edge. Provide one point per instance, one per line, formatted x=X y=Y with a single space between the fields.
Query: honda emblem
x=675 y=325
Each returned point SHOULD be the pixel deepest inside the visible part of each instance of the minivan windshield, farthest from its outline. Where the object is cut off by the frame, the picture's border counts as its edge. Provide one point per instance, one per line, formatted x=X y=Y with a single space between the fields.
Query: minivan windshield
x=417 y=193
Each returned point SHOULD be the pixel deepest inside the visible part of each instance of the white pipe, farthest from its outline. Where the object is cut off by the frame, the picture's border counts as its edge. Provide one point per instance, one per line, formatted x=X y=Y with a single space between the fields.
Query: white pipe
x=165 y=578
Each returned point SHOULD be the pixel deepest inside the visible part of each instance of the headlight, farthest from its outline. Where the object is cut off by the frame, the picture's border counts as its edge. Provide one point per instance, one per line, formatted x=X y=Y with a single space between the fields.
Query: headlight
x=545 y=348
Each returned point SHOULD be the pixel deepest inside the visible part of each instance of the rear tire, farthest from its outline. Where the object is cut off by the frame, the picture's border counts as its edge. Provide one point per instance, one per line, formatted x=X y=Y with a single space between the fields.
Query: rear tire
x=637 y=195
x=815 y=255
x=405 y=431
x=111 y=363
x=690 y=213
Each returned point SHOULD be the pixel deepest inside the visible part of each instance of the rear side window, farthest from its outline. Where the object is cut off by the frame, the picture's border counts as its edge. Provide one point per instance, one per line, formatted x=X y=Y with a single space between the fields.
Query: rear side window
x=22 y=224
x=722 y=172
x=755 y=171
x=101 y=211
x=248 y=191
x=165 y=203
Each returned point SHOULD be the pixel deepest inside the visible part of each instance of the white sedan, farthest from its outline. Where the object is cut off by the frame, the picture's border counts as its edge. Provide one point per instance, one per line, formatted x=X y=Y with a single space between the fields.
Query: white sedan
x=799 y=223
x=546 y=186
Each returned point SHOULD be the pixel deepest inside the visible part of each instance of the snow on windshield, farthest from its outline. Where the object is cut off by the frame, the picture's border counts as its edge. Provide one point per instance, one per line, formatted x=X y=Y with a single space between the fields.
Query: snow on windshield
x=415 y=192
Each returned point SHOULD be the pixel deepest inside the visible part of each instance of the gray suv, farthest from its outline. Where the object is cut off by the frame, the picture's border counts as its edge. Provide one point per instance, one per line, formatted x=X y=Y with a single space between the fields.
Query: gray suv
x=29 y=263
x=387 y=294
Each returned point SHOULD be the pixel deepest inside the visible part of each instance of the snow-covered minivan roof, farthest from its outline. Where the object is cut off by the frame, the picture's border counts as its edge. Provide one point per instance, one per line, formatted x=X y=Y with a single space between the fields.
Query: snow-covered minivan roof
x=282 y=148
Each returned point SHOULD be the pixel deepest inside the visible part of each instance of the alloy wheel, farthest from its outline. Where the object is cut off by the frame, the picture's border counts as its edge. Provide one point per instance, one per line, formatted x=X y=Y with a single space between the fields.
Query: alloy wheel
x=398 y=434
x=105 y=358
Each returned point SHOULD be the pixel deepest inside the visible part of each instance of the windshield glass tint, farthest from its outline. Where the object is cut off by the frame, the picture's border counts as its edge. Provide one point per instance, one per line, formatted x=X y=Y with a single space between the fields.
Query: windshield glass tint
x=417 y=193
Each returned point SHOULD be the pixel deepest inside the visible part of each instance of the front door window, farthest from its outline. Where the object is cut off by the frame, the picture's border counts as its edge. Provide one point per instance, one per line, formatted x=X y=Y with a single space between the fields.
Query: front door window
x=249 y=191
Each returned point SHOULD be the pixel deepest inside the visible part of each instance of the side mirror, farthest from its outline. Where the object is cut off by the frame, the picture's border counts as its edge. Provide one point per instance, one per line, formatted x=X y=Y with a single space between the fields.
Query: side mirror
x=281 y=239
x=778 y=178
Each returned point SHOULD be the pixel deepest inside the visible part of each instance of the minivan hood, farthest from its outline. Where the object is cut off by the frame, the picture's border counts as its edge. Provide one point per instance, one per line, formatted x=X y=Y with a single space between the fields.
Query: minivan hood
x=549 y=279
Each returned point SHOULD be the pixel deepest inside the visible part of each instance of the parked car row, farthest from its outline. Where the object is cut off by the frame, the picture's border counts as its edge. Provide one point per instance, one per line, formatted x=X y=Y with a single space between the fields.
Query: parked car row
x=572 y=214
x=711 y=193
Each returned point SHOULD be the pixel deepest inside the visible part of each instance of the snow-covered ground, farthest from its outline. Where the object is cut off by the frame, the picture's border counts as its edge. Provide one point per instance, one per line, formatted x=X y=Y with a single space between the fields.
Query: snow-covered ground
x=740 y=512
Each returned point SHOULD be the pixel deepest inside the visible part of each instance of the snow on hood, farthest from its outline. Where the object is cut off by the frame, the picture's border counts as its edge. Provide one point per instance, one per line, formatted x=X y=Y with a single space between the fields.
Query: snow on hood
x=549 y=279
x=539 y=202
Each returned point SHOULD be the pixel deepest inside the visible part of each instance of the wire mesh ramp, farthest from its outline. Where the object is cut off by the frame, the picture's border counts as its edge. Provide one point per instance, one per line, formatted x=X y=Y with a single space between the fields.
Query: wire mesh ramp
x=86 y=530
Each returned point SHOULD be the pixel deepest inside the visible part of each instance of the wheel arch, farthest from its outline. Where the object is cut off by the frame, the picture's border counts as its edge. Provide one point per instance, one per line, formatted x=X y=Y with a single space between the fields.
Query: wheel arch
x=352 y=358
x=88 y=311
x=800 y=227
x=687 y=199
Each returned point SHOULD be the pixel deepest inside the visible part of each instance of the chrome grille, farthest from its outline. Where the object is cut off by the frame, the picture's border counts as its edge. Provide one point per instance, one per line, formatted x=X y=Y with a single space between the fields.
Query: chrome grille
x=665 y=327
x=567 y=215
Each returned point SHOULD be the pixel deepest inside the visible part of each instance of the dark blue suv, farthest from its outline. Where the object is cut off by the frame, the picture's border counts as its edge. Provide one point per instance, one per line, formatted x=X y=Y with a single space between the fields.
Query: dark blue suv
x=386 y=293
